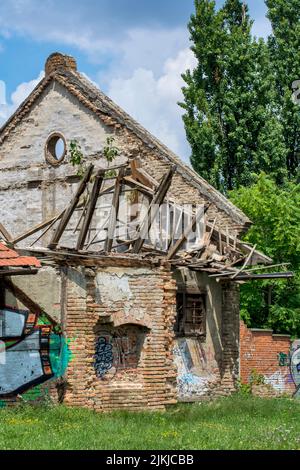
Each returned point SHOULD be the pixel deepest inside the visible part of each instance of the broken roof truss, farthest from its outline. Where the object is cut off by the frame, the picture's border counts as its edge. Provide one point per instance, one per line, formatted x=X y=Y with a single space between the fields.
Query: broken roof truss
x=122 y=210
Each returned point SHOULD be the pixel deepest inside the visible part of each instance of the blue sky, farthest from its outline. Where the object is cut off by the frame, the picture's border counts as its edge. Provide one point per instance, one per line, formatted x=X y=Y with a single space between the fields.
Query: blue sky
x=135 y=50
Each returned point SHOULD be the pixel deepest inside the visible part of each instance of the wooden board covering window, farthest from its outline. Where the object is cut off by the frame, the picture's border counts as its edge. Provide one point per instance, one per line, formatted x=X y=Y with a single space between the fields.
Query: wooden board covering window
x=191 y=314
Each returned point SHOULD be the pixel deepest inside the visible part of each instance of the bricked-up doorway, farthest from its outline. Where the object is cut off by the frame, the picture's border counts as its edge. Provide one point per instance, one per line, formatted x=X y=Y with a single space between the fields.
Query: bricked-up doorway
x=118 y=351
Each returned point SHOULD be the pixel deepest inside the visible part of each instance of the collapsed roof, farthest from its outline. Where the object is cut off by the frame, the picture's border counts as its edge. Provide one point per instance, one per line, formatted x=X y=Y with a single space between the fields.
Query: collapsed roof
x=81 y=231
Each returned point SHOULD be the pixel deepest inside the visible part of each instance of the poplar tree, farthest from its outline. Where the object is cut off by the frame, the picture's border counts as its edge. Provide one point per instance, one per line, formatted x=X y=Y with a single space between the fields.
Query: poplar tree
x=284 y=45
x=231 y=115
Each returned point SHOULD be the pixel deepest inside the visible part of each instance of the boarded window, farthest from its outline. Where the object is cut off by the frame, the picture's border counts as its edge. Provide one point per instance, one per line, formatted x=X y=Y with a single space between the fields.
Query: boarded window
x=191 y=314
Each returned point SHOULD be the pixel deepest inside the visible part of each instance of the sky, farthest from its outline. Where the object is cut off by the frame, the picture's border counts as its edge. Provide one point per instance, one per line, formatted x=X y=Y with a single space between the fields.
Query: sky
x=134 y=50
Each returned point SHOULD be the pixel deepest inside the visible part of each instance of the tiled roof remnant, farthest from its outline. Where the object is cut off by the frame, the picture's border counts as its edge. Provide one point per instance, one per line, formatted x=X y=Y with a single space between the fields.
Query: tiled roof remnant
x=10 y=258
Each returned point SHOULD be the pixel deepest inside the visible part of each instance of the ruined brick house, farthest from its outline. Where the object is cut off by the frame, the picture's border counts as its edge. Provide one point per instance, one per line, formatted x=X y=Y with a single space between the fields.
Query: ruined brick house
x=144 y=327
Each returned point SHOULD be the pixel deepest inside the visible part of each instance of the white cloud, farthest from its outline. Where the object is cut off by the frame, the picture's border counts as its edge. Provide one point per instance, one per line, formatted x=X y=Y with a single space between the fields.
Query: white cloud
x=24 y=89
x=17 y=97
x=153 y=101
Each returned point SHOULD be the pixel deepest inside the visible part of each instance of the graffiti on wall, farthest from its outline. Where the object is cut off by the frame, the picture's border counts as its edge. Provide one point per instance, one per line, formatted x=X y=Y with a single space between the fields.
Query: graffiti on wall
x=292 y=360
x=194 y=377
x=31 y=353
x=104 y=357
x=116 y=350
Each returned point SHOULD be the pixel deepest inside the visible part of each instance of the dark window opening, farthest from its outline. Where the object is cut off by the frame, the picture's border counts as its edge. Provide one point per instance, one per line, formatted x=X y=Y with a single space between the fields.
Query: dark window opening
x=191 y=314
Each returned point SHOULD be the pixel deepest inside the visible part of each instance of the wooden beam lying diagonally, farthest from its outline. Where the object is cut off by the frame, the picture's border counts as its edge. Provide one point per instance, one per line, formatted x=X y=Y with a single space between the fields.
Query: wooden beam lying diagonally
x=114 y=211
x=196 y=219
x=90 y=209
x=68 y=213
x=157 y=201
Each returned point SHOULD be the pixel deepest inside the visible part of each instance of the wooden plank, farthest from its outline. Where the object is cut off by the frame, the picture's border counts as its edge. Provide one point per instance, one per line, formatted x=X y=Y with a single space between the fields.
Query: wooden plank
x=68 y=213
x=5 y=233
x=196 y=219
x=245 y=263
x=90 y=209
x=47 y=229
x=136 y=184
x=114 y=211
x=153 y=209
x=18 y=272
x=245 y=277
x=139 y=174
x=219 y=236
x=37 y=228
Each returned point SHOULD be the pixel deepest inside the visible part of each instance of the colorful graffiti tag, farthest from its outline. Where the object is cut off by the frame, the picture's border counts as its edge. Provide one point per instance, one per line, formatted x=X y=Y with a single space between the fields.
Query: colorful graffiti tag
x=295 y=367
x=292 y=360
x=32 y=352
x=194 y=379
x=104 y=356
x=116 y=350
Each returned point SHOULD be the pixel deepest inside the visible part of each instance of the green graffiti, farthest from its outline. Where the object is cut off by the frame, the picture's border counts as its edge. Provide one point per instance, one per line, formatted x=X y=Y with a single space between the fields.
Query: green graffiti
x=2 y=404
x=60 y=354
x=35 y=393
x=283 y=359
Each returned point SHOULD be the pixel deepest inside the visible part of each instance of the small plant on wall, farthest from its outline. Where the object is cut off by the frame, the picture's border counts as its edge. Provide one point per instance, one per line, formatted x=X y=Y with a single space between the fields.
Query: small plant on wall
x=110 y=152
x=77 y=157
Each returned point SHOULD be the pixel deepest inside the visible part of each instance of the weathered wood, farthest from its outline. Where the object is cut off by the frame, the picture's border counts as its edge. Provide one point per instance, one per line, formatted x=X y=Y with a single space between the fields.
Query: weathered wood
x=245 y=263
x=68 y=213
x=207 y=237
x=114 y=211
x=221 y=237
x=5 y=233
x=266 y=267
x=139 y=174
x=90 y=209
x=18 y=272
x=196 y=219
x=47 y=229
x=153 y=209
x=82 y=213
x=37 y=228
x=249 y=277
x=136 y=184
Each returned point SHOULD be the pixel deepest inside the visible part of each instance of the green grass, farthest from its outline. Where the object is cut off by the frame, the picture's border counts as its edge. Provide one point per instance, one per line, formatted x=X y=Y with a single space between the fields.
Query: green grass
x=238 y=422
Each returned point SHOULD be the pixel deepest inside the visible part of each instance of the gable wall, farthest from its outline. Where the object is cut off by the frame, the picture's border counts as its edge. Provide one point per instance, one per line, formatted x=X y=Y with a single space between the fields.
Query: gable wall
x=31 y=190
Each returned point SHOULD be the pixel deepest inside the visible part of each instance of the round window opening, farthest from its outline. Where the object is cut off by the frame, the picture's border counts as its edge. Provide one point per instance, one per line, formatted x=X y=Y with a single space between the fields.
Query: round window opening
x=56 y=149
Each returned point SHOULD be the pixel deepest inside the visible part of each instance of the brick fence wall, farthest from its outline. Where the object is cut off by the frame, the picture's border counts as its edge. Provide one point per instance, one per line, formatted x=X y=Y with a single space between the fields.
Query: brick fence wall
x=260 y=351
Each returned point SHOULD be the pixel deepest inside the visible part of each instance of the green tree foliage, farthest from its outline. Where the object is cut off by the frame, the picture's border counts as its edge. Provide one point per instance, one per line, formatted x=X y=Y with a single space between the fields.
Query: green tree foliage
x=275 y=213
x=284 y=46
x=231 y=115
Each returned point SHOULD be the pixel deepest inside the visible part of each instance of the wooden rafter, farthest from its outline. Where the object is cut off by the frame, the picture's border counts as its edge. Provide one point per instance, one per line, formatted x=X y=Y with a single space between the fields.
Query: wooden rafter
x=153 y=209
x=68 y=213
x=114 y=211
x=196 y=219
x=90 y=209
x=5 y=233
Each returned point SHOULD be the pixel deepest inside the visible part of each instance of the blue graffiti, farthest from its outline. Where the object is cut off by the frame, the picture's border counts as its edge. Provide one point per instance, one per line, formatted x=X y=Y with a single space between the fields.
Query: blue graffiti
x=103 y=357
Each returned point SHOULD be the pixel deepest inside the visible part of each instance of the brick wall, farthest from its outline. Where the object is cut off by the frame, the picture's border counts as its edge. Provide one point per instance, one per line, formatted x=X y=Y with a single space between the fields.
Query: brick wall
x=118 y=317
x=230 y=336
x=259 y=351
x=130 y=328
